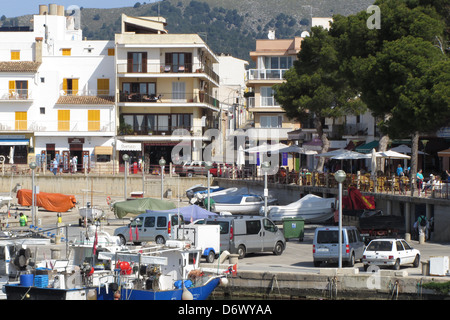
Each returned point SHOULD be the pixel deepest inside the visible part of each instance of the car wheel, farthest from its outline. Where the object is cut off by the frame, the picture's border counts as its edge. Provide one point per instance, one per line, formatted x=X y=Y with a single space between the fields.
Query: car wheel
x=351 y=262
x=190 y=174
x=416 y=261
x=160 y=240
x=366 y=266
x=210 y=257
x=241 y=251
x=123 y=241
x=278 y=249
x=397 y=264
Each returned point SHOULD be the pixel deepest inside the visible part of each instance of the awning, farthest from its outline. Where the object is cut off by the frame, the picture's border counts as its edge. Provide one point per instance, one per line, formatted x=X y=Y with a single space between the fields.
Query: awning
x=14 y=142
x=444 y=153
x=128 y=146
x=367 y=148
x=104 y=150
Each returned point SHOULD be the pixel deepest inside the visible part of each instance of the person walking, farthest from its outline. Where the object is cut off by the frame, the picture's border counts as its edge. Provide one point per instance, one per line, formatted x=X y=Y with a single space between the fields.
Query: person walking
x=22 y=220
x=419 y=177
x=55 y=166
x=74 y=164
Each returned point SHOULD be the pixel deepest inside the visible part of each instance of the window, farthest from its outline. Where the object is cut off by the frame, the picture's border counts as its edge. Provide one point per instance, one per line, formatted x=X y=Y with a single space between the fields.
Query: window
x=284 y=62
x=161 y=222
x=399 y=246
x=70 y=87
x=137 y=62
x=18 y=89
x=269 y=225
x=93 y=120
x=253 y=227
x=179 y=91
x=21 y=120
x=149 y=222
x=179 y=61
x=66 y=51
x=103 y=87
x=267 y=97
x=271 y=121
x=15 y=54
x=42 y=110
x=63 y=120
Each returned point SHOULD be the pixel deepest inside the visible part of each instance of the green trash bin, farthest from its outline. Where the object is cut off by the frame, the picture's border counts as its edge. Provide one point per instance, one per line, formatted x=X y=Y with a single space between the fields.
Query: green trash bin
x=294 y=228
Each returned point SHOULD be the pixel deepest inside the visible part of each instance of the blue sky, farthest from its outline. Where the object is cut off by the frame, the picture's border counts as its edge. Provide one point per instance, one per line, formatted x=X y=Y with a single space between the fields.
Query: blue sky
x=22 y=7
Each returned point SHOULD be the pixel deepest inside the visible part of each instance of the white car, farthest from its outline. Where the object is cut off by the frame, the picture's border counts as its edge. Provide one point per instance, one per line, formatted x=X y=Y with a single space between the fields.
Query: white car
x=390 y=252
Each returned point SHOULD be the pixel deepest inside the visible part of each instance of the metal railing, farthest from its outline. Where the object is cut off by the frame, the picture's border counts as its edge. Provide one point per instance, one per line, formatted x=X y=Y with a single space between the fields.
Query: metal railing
x=158 y=68
x=16 y=94
x=171 y=97
x=265 y=74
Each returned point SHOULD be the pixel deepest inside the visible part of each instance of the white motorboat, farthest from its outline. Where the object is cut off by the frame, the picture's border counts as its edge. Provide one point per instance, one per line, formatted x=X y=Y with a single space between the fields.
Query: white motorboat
x=311 y=208
x=4 y=200
x=239 y=204
x=91 y=213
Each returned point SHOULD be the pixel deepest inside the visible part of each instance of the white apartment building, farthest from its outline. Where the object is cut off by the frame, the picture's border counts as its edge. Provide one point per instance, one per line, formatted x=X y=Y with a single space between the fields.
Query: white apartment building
x=56 y=93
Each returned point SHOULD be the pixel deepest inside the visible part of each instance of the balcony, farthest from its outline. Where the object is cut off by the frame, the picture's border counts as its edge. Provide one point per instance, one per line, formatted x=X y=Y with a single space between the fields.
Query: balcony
x=89 y=127
x=18 y=95
x=263 y=102
x=167 y=98
x=170 y=69
x=265 y=74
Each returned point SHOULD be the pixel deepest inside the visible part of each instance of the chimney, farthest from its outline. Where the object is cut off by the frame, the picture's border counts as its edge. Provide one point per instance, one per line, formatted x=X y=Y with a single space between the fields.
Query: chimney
x=38 y=50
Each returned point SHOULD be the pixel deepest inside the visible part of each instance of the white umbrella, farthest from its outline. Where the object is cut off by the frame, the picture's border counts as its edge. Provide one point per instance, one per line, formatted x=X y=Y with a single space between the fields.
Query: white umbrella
x=403 y=148
x=266 y=148
x=240 y=161
x=350 y=155
x=373 y=163
x=11 y=155
x=332 y=153
x=392 y=155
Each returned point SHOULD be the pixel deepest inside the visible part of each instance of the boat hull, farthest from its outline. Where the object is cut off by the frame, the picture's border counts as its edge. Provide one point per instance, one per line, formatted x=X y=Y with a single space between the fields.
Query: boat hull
x=18 y=292
x=198 y=293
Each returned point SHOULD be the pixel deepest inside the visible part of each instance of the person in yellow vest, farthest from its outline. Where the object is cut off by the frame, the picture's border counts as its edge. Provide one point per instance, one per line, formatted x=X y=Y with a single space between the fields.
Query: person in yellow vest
x=23 y=220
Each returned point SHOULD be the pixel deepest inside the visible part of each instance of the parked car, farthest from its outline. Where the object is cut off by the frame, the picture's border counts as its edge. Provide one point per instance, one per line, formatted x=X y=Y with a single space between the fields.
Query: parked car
x=391 y=253
x=151 y=227
x=190 y=168
x=247 y=234
x=326 y=245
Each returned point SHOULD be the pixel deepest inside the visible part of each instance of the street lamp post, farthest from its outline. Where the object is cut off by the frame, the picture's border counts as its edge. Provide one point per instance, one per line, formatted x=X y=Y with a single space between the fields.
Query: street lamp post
x=125 y=158
x=340 y=176
x=162 y=163
x=33 y=192
x=208 y=166
x=265 y=167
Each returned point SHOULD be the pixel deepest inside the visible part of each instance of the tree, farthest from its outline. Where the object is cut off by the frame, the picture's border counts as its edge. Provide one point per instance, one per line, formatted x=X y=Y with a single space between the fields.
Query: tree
x=403 y=77
x=316 y=87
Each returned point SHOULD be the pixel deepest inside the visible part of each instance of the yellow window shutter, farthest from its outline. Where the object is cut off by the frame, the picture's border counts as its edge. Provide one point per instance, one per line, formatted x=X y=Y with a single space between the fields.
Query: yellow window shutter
x=21 y=120
x=111 y=51
x=66 y=52
x=65 y=86
x=74 y=87
x=15 y=55
x=63 y=120
x=12 y=87
x=93 y=120
x=102 y=86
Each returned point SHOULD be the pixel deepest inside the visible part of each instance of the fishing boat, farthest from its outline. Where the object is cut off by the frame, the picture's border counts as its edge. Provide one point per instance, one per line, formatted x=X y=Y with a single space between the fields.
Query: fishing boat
x=239 y=203
x=160 y=272
x=101 y=268
x=312 y=208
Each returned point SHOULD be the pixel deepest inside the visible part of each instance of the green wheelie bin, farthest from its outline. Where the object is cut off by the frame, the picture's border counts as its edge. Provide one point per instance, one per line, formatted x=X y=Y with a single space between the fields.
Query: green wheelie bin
x=294 y=228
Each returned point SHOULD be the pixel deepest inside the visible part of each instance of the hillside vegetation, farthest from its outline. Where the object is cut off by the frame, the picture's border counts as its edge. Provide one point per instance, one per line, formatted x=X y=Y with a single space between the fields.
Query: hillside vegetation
x=230 y=26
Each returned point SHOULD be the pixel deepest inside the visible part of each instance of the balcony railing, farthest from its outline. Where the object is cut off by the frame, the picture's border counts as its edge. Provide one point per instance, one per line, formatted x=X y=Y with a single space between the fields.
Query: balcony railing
x=171 y=97
x=262 y=102
x=17 y=94
x=57 y=126
x=158 y=68
x=265 y=74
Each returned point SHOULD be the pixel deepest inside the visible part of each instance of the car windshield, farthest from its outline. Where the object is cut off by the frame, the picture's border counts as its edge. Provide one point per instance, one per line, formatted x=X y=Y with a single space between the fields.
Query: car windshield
x=380 y=246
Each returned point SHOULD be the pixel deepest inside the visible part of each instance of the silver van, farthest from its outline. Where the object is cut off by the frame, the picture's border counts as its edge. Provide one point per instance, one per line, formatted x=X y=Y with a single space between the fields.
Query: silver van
x=326 y=245
x=151 y=226
x=248 y=234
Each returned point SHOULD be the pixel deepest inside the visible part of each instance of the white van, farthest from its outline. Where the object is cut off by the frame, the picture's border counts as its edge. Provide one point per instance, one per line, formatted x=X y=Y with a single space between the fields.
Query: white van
x=248 y=234
x=151 y=226
x=326 y=245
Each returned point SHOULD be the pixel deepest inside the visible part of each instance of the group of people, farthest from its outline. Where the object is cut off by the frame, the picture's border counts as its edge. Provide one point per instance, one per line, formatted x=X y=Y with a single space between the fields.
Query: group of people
x=57 y=165
x=430 y=185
